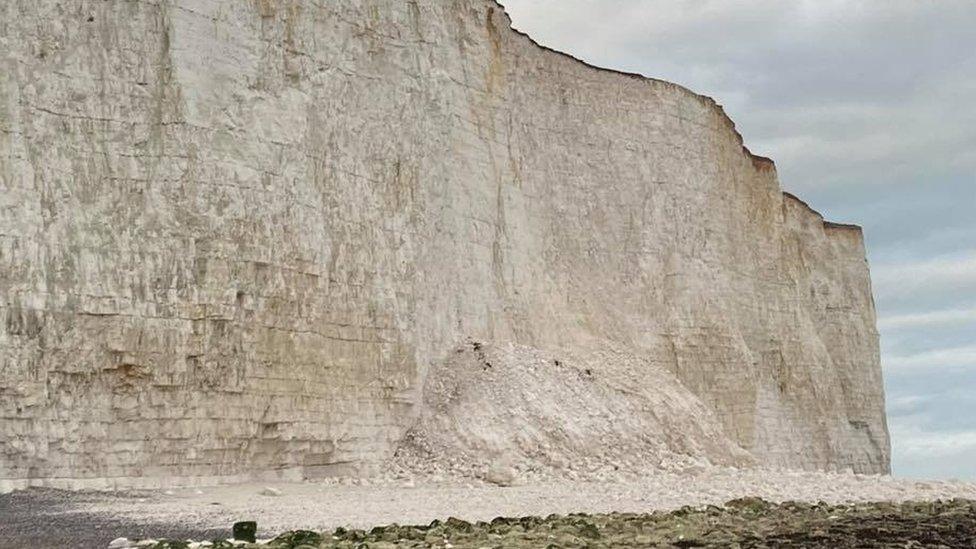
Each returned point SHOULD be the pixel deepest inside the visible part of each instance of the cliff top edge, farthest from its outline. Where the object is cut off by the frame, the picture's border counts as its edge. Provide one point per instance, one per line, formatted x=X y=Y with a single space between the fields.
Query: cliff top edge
x=759 y=162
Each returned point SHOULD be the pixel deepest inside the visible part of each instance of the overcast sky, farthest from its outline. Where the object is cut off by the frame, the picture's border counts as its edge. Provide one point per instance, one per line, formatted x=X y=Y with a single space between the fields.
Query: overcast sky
x=869 y=110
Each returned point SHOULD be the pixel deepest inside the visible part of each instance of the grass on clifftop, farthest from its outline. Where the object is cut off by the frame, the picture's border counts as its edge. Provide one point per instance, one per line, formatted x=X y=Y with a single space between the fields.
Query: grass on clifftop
x=743 y=523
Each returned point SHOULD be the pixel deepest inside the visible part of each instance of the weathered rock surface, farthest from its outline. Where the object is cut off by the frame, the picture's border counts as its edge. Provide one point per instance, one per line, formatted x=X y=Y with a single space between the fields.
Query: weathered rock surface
x=235 y=235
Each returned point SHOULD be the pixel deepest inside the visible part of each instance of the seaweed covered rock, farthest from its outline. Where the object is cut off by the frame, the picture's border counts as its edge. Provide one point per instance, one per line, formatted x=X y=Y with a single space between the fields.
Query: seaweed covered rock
x=748 y=522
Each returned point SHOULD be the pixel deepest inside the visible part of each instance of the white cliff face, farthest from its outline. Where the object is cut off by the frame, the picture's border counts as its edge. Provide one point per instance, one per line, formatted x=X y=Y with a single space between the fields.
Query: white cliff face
x=236 y=235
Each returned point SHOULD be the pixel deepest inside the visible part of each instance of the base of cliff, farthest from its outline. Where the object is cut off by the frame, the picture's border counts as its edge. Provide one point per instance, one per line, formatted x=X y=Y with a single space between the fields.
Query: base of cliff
x=92 y=519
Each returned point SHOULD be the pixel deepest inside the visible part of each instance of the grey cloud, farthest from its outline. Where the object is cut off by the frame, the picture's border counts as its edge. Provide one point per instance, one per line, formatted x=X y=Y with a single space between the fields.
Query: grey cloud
x=907 y=405
x=927 y=319
x=883 y=79
x=952 y=358
x=928 y=454
x=953 y=276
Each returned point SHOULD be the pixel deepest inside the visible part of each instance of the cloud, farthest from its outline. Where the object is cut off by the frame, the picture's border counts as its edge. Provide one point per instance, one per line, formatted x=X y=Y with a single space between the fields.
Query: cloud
x=934 y=361
x=923 y=453
x=907 y=405
x=953 y=277
x=933 y=454
x=926 y=319
x=928 y=445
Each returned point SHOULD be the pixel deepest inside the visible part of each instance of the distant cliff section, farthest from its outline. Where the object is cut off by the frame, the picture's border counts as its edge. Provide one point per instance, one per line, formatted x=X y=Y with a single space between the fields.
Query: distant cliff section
x=237 y=235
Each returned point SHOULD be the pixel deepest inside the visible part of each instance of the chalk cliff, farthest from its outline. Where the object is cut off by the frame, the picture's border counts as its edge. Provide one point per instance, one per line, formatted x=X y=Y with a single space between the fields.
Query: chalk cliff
x=236 y=235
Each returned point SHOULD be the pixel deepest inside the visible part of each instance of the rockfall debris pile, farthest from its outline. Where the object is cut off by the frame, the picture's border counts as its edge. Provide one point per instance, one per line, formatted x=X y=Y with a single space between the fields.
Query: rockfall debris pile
x=507 y=413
